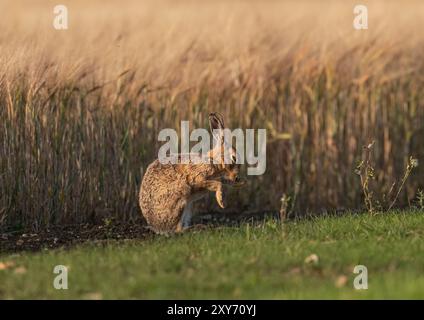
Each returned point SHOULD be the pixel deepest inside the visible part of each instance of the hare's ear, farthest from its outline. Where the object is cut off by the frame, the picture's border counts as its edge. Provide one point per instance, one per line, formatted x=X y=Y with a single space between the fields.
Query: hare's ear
x=216 y=122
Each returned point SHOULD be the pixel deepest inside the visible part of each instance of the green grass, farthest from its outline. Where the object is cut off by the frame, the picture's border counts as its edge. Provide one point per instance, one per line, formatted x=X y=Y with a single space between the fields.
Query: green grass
x=262 y=261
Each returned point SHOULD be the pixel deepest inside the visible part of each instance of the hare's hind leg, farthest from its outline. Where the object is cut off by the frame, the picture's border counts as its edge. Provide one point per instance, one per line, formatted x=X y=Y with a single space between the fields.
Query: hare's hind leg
x=185 y=220
x=187 y=215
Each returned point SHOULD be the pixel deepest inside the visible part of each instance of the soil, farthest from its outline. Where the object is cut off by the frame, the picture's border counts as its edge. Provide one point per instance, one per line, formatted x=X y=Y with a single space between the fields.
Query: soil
x=71 y=235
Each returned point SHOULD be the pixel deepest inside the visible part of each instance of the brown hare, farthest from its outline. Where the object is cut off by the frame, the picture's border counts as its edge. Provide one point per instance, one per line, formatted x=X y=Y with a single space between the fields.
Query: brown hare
x=168 y=190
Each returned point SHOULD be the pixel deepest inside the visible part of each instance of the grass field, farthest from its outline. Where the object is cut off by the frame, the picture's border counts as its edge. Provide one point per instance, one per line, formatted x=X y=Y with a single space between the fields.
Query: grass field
x=266 y=260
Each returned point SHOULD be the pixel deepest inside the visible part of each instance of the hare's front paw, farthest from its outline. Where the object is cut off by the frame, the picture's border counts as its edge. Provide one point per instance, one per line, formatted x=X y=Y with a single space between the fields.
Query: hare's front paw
x=218 y=195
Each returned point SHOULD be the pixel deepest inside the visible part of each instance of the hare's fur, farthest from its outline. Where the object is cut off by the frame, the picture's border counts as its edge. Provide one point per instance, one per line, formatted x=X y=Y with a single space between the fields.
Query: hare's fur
x=168 y=191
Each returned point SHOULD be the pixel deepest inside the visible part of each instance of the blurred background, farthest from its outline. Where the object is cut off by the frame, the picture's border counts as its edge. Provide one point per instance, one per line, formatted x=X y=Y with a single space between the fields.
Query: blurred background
x=81 y=108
